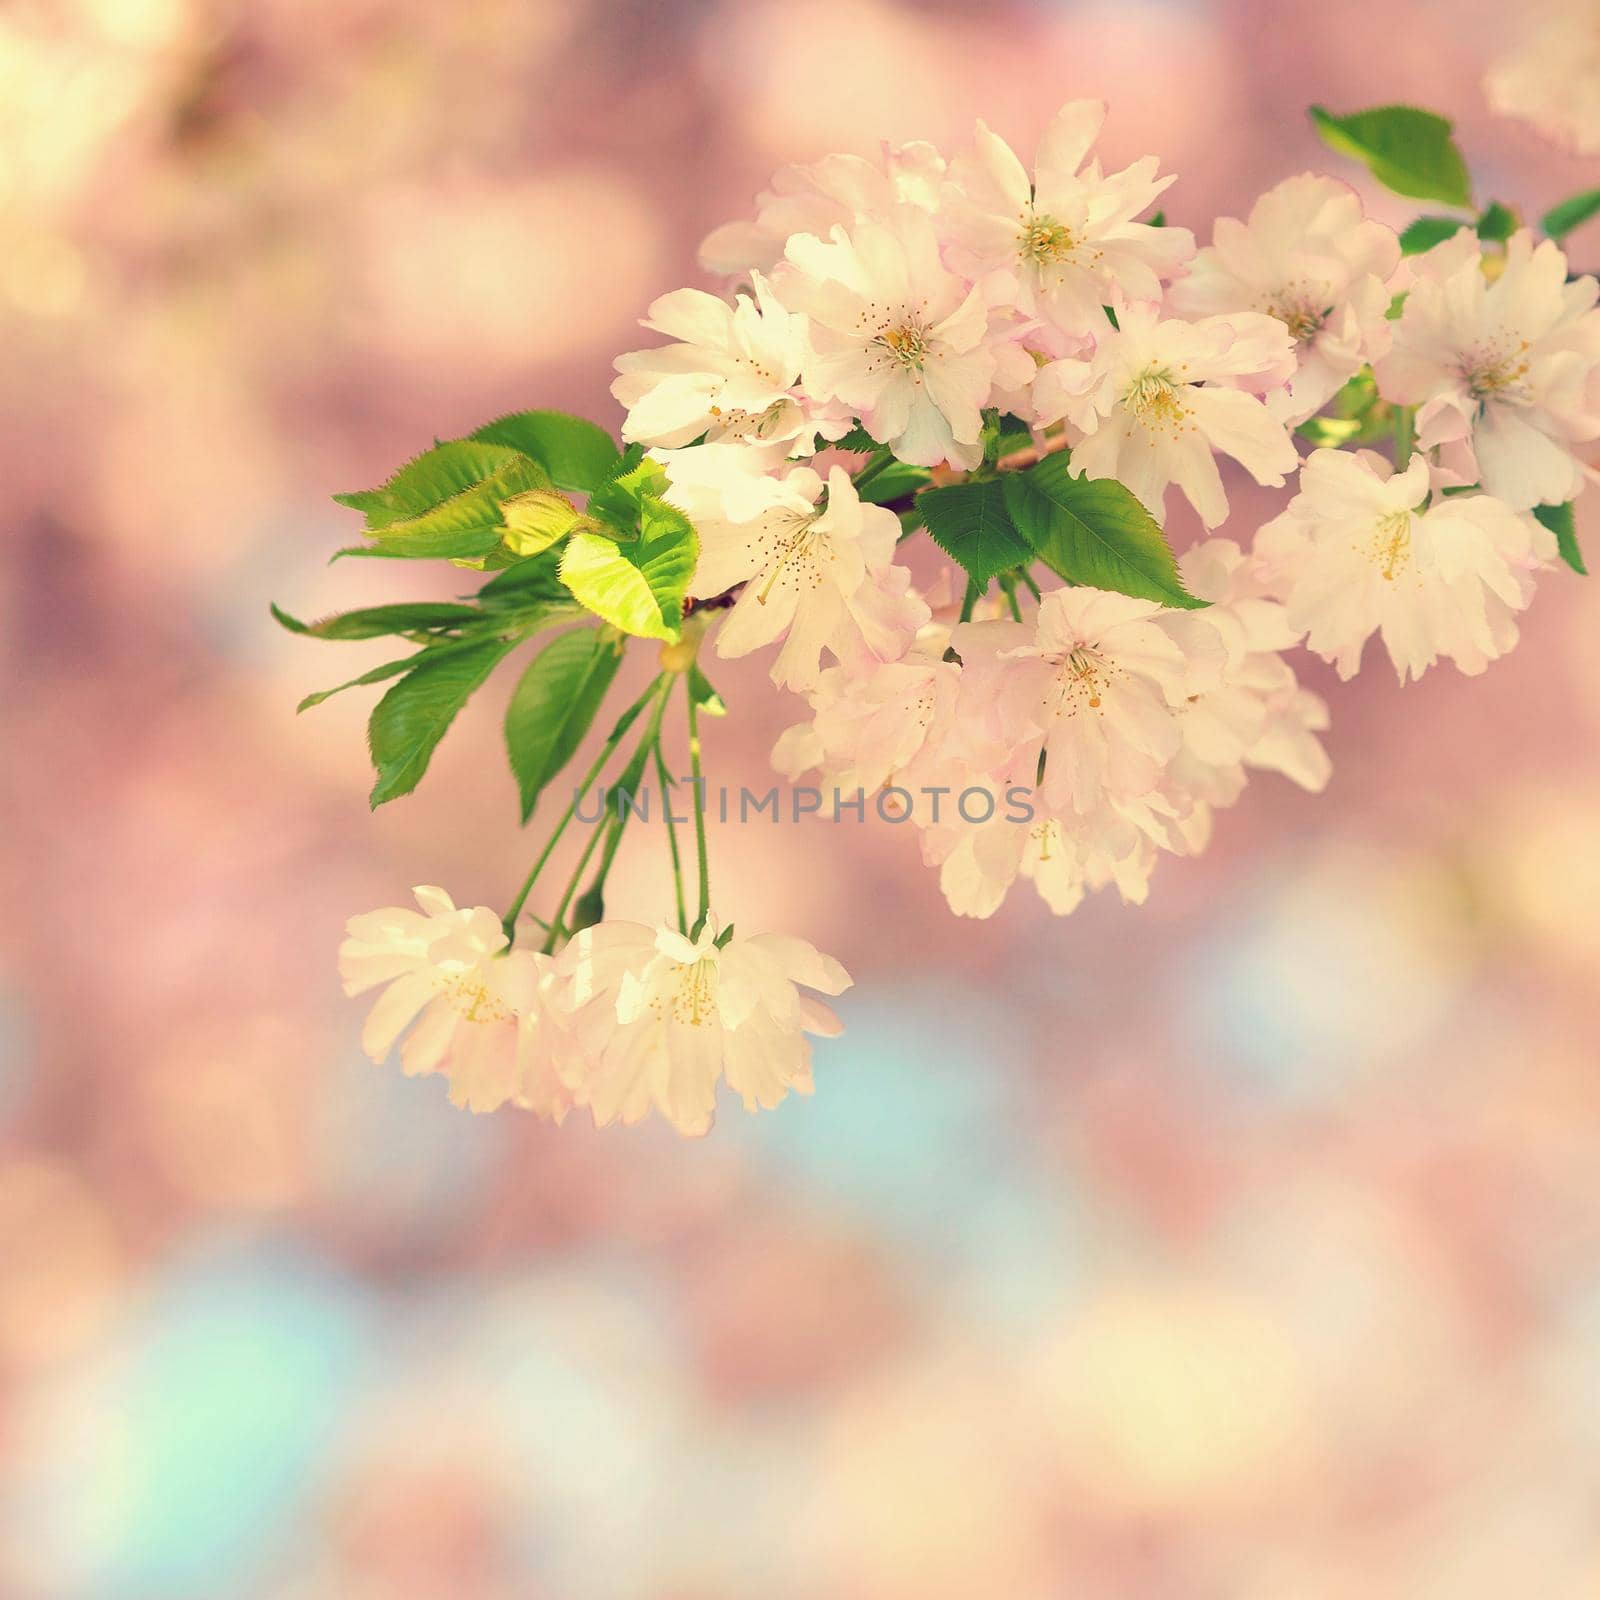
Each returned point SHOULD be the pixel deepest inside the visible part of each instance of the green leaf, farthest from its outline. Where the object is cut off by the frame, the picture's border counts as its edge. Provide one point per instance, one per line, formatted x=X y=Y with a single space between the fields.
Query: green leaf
x=1357 y=413
x=857 y=440
x=1497 y=223
x=1093 y=531
x=970 y=523
x=410 y=720
x=418 y=616
x=617 y=501
x=469 y=525
x=897 y=479
x=1426 y=232
x=1560 y=220
x=1407 y=150
x=429 y=480
x=523 y=582
x=638 y=586
x=536 y=520
x=576 y=453
x=1560 y=521
x=705 y=698
x=555 y=702
x=390 y=669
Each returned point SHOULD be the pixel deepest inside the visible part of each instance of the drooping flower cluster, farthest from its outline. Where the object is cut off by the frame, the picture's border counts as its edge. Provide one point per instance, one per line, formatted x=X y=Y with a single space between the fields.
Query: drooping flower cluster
x=625 y=1020
x=1025 y=362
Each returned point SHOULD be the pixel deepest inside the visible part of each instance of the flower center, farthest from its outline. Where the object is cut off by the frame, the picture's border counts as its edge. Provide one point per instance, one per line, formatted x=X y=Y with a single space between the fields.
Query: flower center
x=799 y=544
x=470 y=995
x=694 y=999
x=1497 y=374
x=740 y=424
x=1082 y=679
x=1045 y=241
x=907 y=345
x=1153 y=399
x=1303 y=320
x=1391 y=544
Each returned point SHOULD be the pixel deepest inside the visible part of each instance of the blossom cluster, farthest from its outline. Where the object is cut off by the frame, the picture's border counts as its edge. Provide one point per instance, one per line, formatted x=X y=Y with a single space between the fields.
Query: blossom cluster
x=626 y=1019
x=975 y=327
x=912 y=296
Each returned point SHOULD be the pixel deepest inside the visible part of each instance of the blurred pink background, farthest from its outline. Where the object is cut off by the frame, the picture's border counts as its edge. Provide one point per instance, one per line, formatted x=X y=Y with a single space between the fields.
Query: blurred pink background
x=1242 y=1247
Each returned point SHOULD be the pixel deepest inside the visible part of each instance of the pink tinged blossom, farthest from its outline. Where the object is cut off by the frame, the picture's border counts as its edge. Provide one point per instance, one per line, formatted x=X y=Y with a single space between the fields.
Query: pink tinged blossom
x=1067 y=235
x=657 y=1020
x=835 y=191
x=895 y=337
x=473 y=1010
x=731 y=373
x=1553 y=80
x=1505 y=368
x=1308 y=257
x=1355 y=554
x=1158 y=398
x=1098 y=680
x=817 y=573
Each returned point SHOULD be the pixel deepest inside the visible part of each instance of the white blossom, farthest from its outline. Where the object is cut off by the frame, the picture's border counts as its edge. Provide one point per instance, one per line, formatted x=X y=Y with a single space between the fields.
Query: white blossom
x=1553 y=79
x=658 y=1019
x=1504 y=365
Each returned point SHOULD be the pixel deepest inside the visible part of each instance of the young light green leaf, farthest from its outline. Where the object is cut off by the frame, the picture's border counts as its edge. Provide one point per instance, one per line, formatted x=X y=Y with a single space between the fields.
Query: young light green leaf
x=1572 y=213
x=616 y=501
x=1406 y=149
x=374 y=622
x=971 y=524
x=429 y=480
x=555 y=702
x=636 y=586
x=410 y=720
x=1426 y=232
x=1561 y=522
x=536 y=520
x=1093 y=531
x=535 y=578
x=576 y=453
x=469 y=525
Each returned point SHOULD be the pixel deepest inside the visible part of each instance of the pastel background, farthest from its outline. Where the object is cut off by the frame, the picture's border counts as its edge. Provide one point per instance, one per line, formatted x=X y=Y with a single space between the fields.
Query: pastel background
x=1242 y=1247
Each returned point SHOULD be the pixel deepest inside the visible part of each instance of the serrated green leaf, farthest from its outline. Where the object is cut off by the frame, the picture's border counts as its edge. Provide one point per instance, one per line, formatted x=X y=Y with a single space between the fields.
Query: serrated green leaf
x=1426 y=232
x=857 y=440
x=373 y=622
x=553 y=705
x=971 y=524
x=1572 y=213
x=1094 y=531
x=616 y=502
x=428 y=480
x=1562 y=523
x=1408 y=150
x=636 y=586
x=469 y=525
x=1497 y=223
x=574 y=452
x=536 y=520
x=410 y=720
x=523 y=582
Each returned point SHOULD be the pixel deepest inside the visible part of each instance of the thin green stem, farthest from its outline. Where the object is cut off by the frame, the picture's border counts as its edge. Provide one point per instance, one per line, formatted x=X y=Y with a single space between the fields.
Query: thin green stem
x=672 y=837
x=1008 y=585
x=618 y=733
x=1027 y=577
x=970 y=600
x=612 y=831
x=874 y=466
x=699 y=818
